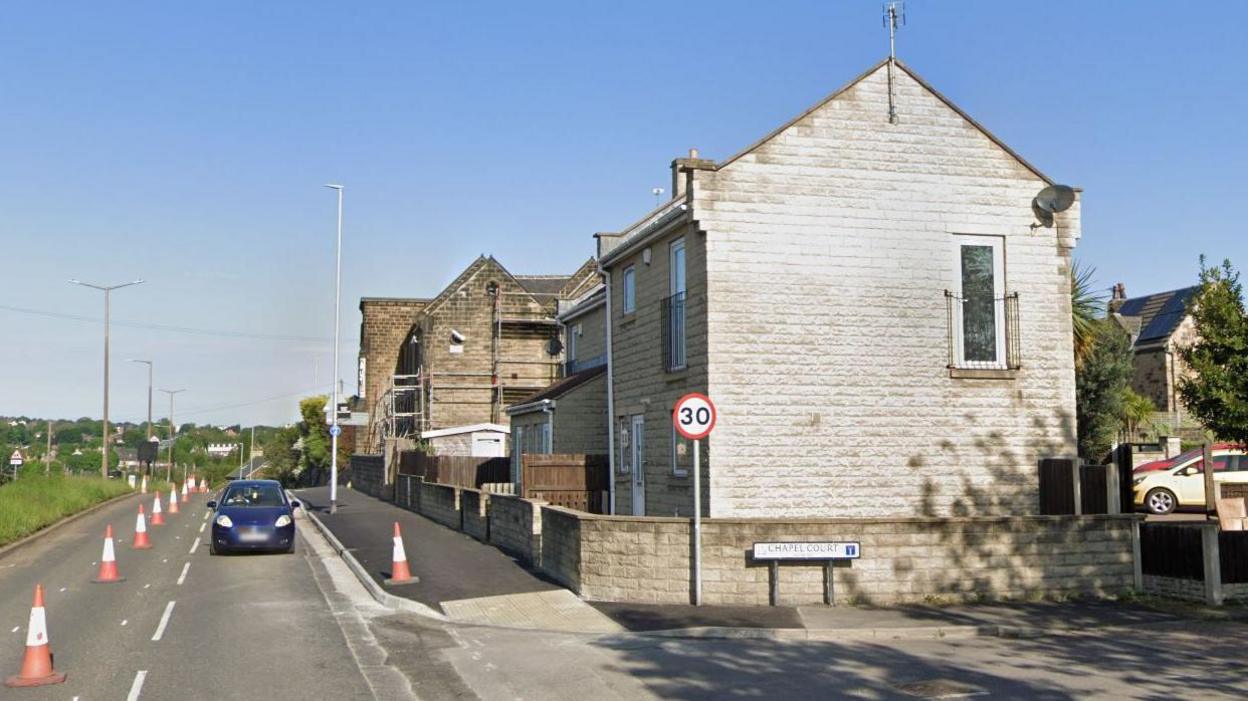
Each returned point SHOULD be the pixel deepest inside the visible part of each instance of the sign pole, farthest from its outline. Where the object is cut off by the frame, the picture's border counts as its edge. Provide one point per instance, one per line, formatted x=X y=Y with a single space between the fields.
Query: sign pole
x=697 y=523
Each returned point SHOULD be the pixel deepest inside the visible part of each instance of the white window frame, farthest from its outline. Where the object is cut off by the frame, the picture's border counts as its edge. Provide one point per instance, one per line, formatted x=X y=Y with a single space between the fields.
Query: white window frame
x=629 y=288
x=573 y=332
x=677 y=470
x=997 y=243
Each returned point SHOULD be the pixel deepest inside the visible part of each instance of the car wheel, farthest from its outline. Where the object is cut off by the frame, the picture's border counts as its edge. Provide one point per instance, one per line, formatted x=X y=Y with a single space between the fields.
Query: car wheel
x=1160 y=501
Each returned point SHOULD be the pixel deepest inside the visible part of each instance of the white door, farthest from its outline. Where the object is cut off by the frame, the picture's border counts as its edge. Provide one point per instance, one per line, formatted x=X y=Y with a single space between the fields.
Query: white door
x=637 y=461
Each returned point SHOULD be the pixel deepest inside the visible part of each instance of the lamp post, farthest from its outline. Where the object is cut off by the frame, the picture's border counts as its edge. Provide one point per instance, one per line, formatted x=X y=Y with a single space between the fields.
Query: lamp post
x=148 y=363
x=107 y=290
x=172 y=432
x=334 y=430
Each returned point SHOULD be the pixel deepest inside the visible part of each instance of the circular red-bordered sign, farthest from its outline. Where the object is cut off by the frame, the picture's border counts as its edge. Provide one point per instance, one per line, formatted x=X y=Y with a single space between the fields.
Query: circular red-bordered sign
x=694 y=416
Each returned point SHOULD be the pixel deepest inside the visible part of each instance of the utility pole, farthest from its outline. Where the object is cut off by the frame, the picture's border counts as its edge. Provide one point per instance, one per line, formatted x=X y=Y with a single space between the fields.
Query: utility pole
x=107 y=290
x=172 y=432
x=334 y=429
x=149 y=394
x=251 y=454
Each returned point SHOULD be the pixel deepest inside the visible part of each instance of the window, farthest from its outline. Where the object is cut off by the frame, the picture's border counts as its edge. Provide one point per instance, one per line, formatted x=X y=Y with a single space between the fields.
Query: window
x=573 y=332
x=630 y=290
x=673 y=310
x=623 y=464
x=982 y=318
x=682 y=454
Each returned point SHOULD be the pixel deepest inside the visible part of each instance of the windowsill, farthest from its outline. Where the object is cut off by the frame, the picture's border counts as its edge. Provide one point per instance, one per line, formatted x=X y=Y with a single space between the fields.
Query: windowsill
x=628 y=319
x=680 y=473
x=677 y=375
x=982 y=374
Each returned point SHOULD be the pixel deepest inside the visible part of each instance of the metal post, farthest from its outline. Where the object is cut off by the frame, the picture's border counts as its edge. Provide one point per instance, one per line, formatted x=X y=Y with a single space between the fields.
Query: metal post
x=697 y=523
x=172 y=433
x=829 y=595
x=333 y=458
x=104 y=445
x=1211 y=495
x=1076 y=473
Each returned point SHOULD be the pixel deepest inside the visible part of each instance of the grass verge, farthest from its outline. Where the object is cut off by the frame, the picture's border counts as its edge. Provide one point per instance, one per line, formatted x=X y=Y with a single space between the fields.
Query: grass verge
x=37 y=502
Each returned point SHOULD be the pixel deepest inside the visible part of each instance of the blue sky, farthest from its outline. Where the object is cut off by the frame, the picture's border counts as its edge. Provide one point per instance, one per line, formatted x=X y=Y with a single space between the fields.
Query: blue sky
x=187 y=143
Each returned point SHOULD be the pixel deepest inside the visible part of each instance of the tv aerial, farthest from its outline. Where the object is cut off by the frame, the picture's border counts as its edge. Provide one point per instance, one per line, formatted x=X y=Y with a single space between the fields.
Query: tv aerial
x=1050 y=201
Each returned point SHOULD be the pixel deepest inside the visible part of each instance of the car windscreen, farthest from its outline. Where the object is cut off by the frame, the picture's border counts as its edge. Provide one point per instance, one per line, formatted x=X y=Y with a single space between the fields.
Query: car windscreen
x=253 y=495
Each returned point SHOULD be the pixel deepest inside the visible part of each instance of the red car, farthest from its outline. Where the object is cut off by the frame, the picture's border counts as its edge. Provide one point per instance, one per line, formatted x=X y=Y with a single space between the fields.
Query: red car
x=1181 y=458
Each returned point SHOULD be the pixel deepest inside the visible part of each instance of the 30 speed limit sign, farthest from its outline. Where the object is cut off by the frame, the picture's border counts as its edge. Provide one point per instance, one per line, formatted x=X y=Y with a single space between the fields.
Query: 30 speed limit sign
x=694 y=416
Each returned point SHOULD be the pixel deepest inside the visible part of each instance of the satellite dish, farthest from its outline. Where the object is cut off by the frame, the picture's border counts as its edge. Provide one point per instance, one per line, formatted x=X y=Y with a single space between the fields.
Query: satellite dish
x=1052 y=199
x=554 y=347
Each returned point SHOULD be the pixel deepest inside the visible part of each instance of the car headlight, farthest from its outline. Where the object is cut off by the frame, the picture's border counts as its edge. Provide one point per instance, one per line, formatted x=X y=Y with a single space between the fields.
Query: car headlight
x=1137 y=480
x=282 y=520
x=224 y=521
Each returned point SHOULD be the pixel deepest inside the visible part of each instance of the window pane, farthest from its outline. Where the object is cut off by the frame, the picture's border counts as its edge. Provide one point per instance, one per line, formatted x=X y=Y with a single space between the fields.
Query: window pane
x=979 y=309
x=630 y=290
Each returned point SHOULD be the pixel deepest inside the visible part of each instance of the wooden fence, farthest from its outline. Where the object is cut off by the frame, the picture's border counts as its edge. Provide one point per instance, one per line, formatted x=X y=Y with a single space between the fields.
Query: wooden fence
x=1058 y=493
x=572 y=481
x=1172 y=550
x=1233 y=552
x=460 y=471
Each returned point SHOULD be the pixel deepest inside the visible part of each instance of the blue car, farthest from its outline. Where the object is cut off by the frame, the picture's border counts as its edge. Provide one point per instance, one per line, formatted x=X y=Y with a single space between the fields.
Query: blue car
x=253 y=515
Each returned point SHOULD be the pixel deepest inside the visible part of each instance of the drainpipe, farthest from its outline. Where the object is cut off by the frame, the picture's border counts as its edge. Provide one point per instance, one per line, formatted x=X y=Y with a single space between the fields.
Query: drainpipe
x=610 y=400
x=550 y=421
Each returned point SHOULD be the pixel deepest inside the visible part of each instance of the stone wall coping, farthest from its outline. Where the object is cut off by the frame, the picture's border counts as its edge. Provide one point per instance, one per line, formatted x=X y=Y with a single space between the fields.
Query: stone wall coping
x=848 y=520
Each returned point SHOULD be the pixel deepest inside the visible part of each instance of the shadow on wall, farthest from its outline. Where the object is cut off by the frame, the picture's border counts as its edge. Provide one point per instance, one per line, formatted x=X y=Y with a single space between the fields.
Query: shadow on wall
x=1047 y=668
x=981 y=559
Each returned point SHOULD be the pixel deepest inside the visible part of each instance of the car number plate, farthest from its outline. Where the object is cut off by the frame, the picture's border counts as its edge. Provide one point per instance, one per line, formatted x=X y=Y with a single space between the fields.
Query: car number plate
x=252 y=535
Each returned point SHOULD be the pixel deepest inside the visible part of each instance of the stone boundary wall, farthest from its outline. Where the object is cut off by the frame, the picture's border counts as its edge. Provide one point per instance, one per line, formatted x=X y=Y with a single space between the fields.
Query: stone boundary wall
x=474 y=513
x=647 y=560
x=440 y=502
x=1175 y=588
x=368 y=475
x=516 y=526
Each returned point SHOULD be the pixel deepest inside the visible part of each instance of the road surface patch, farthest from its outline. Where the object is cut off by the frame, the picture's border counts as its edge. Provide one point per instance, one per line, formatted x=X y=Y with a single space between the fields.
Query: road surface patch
x=558 y=610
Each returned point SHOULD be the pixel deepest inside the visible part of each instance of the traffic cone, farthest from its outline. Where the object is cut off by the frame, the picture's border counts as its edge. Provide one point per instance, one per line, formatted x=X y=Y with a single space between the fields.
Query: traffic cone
x=144 y=488
x=400 y=573
x=203 y=485
x=108 y=562
x=158 y=518
x=186 y=493
x=141 y=541
x=37 y=664
x=173 y=501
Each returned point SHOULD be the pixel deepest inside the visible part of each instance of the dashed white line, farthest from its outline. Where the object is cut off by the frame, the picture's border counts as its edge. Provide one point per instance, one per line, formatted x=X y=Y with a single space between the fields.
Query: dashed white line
x=182 y=577
x=202 y=526
x=63 y=589
x=164 y=621
x=194 y=546
x=125 y=621
x=15 y=629
x=165 y=560
x=205 y=515
x=137 y=686
x=147 y=586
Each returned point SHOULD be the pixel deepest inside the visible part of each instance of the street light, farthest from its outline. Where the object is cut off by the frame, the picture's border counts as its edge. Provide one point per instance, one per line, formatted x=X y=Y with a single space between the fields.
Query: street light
x=172 y=433
x=148 y=363
x=334 y=430
x=107 y=290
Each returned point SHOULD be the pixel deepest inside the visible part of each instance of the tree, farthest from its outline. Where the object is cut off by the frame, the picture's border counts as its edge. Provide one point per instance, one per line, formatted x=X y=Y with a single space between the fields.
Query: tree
x=280 y=454
x=1085 y=311
x=1101 y=383
x=1217 y=392
x=1136 y=409
x=315 y=434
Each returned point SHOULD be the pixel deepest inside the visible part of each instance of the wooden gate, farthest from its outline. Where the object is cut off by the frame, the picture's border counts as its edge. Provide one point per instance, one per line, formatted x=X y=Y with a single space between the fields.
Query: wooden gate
x=573 y=481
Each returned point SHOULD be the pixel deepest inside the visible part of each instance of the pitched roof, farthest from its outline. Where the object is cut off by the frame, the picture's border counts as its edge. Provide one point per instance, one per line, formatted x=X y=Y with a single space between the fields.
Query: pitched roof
x=562 y=387
x=926 y=86
x=1160 y=314
x=544 y=285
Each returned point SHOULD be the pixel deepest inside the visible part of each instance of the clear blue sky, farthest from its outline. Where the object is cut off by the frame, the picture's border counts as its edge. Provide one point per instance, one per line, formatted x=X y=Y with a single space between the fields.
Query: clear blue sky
x=186 y=143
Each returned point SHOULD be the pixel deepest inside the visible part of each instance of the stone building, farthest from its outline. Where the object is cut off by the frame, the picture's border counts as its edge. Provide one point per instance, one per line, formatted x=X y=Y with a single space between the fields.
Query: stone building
x=883 y=324
x=1159 y=326
x=430 y=367
x=569 y=416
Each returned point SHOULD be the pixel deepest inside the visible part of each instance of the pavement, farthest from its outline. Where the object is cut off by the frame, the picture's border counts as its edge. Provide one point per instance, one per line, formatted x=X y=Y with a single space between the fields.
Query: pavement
x=471 y=582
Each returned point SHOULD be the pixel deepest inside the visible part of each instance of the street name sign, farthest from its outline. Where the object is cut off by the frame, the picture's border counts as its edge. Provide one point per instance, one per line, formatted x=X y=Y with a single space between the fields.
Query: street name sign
x=808 y=551
x=694 y=416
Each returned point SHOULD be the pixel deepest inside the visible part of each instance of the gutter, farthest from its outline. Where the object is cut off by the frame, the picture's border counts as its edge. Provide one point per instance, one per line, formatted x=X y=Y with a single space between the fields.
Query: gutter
x=545 y=405
x=610 y=397
x=649 y=233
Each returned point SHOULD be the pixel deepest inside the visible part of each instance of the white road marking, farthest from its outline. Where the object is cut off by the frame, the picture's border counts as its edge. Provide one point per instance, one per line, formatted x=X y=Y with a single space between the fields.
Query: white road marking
x=125 y=621
x=205 y=515
x=182 y=577
x=62 y=588
x=147 y=586
x=15 y=629
x=164 y=621
x=194 y=546
x=136 y=687
x=165 y=560
x=202 y=526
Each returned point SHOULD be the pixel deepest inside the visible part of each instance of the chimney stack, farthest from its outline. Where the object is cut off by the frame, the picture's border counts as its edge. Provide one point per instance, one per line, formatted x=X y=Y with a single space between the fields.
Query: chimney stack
x=1118 y=298
x=682 y=171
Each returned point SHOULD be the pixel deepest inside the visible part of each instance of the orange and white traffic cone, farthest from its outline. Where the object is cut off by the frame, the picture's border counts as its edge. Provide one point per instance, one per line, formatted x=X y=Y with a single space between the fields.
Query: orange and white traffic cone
x=108 y=561
x=400 y=573
x=185 y=496
x=143 y=490
x=141 y=541
x=158 y=518
x=203 y=485
x=37 y=664
x=173 y=501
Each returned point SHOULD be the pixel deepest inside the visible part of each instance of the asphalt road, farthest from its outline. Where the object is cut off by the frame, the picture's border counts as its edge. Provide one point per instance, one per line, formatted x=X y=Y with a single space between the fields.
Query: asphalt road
x=184 y=624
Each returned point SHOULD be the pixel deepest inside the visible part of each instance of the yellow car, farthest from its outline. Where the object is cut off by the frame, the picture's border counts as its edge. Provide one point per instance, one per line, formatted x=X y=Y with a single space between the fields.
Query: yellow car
x=1183 y=484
